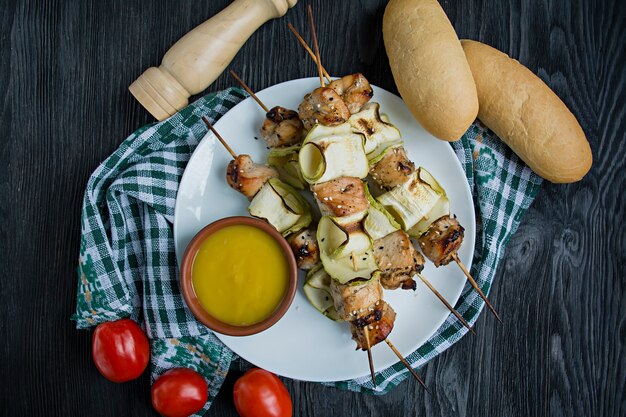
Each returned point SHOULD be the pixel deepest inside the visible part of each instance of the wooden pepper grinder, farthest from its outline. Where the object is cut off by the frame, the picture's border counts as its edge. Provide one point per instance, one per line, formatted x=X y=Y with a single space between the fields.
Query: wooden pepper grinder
x=199 y=57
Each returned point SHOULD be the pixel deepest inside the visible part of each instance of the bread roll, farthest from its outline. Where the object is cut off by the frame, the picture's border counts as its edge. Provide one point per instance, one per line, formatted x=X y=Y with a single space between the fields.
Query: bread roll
x=429 y=67
x=523 y=111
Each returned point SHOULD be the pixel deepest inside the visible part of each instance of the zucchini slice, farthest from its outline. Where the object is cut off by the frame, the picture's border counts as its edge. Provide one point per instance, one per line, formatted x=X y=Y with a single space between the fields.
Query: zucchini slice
x=317 y=290
x=345 y=250
x=328 y=153
x=281 y=206
x=441 y=207
x=413 y=202
x=378 y=222
x=377 y=132
x=285 y=160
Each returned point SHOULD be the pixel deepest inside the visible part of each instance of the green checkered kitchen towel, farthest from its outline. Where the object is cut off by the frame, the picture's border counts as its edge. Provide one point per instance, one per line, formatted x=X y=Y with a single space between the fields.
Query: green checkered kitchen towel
x=128 y=266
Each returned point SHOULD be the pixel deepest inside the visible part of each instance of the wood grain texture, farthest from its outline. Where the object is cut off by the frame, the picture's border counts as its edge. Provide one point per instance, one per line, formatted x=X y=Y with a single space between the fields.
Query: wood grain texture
x=561 y=289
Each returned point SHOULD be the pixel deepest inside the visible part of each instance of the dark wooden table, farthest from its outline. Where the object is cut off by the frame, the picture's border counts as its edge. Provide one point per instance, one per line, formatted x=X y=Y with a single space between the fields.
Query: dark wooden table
x=64 y=71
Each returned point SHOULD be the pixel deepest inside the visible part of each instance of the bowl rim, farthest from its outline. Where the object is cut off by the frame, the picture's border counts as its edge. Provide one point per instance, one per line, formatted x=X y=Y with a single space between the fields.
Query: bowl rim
x=189 y=294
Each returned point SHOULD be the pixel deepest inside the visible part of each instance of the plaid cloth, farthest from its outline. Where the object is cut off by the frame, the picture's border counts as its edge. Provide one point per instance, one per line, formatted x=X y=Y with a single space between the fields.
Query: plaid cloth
x=127 y=264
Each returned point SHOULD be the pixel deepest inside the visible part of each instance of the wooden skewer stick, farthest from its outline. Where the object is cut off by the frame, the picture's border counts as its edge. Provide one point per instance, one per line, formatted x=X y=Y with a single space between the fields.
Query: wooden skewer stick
x=369 y=354
x=406 y=364
x=308 y=49
x=443 y=300
x=475 y=285
x=245 y=87
x=210 y=126
x=316 y=46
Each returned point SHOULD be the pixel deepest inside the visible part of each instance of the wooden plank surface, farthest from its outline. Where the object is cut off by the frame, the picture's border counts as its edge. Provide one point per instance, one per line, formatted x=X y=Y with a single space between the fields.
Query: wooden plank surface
x=64 y=71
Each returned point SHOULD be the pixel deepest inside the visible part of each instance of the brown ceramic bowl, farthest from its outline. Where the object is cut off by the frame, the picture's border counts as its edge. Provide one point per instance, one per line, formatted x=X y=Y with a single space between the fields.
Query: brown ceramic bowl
x=190 y=295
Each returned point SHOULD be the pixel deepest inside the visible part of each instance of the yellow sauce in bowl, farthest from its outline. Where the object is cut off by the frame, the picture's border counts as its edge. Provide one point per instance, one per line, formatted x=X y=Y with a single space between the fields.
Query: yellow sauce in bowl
x=240 y=275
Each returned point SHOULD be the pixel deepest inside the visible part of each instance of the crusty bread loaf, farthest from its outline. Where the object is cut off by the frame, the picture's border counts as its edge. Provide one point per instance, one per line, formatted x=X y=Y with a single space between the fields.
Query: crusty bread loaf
x=528 y=116
x=429 y=67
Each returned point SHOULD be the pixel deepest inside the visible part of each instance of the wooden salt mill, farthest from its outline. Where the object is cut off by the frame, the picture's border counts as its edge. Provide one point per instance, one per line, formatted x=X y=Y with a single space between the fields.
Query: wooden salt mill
x=199 y=57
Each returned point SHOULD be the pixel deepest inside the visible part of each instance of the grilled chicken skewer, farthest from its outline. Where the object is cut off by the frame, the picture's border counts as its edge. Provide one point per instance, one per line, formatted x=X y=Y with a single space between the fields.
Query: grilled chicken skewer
x=372 y=318
x=395 y=255
x=247 y=177
x=443 y=238
x=392 y=170
x=337 y=116
x=281 y=127
x=398 y=267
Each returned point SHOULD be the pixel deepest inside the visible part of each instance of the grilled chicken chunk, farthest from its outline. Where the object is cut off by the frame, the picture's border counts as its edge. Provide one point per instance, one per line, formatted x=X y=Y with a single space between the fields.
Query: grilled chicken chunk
x=282 y=127
x=398 y=261
x=354 y=89
x=442 y=239
x=341 y=197
x=353 y=300
x=304 y=247
x=323 y=105
x=379 y=321
x=393 y=169
x=247 y=177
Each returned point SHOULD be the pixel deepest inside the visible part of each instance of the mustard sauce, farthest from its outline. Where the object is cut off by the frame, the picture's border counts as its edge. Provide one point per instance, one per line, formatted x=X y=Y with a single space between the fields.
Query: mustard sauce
x=240 y=275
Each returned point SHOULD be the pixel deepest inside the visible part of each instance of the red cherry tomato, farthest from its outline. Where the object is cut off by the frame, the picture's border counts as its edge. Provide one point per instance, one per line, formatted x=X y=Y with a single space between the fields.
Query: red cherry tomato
x=120 y=350
x=179 y=392
x=259 y=393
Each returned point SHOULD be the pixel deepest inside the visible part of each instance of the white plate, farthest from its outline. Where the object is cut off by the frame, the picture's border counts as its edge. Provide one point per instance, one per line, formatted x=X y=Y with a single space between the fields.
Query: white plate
x=304 y=344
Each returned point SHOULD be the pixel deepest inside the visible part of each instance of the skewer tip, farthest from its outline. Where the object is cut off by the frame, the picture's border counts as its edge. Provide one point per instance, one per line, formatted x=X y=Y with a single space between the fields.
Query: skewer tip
x=476 y=287
x=496 y=315
x=308 y=49
x=316 y=46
